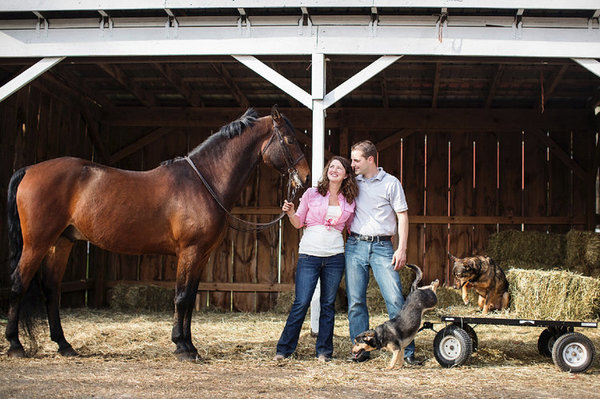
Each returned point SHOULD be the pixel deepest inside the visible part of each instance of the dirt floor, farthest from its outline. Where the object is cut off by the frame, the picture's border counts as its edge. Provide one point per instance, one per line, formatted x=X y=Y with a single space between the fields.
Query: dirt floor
x=128 y=355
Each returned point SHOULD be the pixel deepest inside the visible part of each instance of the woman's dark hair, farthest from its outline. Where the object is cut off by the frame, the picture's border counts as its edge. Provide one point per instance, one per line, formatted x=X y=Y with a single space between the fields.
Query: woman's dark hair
x=349 y=188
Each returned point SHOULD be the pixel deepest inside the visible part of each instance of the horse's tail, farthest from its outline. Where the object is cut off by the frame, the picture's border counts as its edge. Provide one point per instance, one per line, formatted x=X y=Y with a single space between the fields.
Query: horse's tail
x=15 y=235
x=30 y=301
x=418 y=276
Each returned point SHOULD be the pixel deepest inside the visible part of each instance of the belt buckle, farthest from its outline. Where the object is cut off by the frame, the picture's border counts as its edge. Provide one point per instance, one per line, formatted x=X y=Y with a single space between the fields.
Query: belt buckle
x=370 y=238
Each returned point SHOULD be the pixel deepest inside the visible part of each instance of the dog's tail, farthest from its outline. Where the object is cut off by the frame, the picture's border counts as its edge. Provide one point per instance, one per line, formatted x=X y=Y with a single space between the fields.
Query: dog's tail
x=418 y=276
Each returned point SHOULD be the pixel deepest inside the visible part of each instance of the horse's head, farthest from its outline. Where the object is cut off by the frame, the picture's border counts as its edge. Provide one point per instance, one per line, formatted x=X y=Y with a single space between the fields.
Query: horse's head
x=283 y=152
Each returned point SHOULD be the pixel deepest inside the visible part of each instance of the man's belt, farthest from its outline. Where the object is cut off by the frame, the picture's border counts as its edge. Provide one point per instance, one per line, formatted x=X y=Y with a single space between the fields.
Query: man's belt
x=363 y=237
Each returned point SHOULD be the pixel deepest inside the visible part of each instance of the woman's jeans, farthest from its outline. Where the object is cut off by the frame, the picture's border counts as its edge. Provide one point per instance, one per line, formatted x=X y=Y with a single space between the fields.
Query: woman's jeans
x=360 y=256
x=330 y=270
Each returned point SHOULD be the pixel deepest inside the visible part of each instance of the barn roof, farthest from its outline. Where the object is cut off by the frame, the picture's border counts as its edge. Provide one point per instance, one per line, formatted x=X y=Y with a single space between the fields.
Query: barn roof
x=140 y=53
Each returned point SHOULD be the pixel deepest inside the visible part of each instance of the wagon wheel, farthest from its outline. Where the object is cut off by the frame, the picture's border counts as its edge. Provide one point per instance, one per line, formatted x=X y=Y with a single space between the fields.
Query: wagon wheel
x=471 y=331
x=547 y=340
x=573 y=352
x=452 y=346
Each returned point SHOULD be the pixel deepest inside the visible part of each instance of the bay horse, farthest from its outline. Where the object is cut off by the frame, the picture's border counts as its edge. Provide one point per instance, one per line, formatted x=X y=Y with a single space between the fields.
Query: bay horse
x=179 y=208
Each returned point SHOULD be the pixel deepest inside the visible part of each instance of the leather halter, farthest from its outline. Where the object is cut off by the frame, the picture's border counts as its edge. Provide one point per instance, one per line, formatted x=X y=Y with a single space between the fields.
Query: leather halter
x=291 y=168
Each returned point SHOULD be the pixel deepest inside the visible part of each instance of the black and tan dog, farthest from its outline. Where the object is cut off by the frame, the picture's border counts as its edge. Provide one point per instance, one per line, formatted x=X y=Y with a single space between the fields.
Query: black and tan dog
x=395 y=334
x=485 y=277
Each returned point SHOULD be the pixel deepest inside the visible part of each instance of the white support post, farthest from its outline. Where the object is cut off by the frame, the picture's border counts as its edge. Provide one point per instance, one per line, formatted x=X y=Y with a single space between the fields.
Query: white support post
x=318 y=108
x=276 y=78
x=28 y=75
x=590 y=64
x=361 y=77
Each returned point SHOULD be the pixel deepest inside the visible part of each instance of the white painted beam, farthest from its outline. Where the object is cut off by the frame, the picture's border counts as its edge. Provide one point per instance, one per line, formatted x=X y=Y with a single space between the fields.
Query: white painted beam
x=276 y=78
x=80 y=5
x=482 y=41
x=27 y=76
x=318 y=125
x=591 y=65
x=361 y=77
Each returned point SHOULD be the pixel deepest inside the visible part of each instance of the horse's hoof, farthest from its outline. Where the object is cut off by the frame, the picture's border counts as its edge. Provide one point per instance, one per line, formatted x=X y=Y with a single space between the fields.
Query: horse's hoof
x=187 y=356
x=17 y=353
x=68 y=352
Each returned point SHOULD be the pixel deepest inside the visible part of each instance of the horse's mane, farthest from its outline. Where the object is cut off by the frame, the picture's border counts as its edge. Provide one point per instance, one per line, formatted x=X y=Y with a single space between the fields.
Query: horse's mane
x=229 y=131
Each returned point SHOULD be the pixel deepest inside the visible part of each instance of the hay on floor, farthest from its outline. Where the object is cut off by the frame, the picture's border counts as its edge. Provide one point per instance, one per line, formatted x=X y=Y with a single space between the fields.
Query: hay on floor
x=148 y=297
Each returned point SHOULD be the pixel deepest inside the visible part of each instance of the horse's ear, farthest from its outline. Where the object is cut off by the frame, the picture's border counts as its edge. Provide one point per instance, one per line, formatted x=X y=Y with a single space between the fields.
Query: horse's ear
x=275 y=112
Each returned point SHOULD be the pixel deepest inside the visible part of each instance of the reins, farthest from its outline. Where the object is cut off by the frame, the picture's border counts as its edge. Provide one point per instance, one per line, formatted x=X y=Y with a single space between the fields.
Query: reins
x=291 y=192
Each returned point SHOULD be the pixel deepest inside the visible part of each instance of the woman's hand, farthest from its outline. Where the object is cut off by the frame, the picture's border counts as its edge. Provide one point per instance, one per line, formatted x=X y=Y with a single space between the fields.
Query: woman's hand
x=288 y=207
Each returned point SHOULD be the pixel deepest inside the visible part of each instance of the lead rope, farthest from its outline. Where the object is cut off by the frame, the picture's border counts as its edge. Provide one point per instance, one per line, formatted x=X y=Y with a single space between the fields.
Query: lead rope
x=256 y=226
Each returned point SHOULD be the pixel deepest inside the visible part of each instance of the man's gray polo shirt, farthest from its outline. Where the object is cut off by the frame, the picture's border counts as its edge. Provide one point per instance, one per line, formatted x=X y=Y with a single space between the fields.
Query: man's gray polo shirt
x=379 y=198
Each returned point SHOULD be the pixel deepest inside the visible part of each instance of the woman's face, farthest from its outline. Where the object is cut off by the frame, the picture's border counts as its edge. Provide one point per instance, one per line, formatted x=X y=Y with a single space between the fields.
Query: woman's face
x=336 y=172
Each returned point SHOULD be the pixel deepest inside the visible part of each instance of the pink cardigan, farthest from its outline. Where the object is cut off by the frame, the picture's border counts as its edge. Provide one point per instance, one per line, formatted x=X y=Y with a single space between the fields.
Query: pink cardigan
x=313 y=208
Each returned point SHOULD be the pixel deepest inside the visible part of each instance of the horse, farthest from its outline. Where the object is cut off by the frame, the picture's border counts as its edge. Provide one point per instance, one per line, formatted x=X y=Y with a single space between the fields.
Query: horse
x=179 y=208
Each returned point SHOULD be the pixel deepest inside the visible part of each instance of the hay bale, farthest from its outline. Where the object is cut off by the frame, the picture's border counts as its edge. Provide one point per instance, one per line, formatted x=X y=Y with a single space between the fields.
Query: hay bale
x=527 y=249
x=148 y=297
x=554 y=295
x=583 y=252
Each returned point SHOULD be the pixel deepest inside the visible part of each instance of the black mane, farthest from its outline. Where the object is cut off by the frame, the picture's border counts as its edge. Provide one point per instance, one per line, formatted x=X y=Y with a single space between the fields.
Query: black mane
x=229 y=131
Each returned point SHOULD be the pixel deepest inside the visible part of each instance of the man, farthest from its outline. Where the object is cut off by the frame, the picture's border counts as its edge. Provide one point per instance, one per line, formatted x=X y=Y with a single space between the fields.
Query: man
x=381 y=211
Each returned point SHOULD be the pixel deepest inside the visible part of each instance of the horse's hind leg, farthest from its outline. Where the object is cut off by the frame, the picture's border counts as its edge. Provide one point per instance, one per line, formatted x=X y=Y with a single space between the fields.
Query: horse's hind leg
x=54 y=267
x=21 y=278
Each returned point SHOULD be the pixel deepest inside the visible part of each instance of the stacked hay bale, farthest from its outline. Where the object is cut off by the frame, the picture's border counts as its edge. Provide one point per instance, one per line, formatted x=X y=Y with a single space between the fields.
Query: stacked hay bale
x=148 y=297
x=553 y=295
x=527 y=249
x=583 y=252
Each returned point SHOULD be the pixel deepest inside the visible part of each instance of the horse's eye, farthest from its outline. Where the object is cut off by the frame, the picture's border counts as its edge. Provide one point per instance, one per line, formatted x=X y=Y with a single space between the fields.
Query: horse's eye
x=290 y=140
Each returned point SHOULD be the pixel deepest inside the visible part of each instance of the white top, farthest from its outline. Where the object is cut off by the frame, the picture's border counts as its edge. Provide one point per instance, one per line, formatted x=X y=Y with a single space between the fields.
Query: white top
x=322 y=240
x=379 y=198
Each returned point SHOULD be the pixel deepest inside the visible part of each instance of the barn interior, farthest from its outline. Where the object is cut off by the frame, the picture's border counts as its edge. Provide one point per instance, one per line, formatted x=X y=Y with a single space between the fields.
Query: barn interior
x=482 y=144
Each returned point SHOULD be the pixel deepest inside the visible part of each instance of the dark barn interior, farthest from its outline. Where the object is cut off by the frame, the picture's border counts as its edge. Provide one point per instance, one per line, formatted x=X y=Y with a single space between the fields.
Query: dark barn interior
x=480 y=144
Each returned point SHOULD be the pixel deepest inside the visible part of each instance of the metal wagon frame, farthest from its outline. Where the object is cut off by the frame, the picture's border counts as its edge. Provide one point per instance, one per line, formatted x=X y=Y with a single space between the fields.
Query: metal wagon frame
x=570 y=351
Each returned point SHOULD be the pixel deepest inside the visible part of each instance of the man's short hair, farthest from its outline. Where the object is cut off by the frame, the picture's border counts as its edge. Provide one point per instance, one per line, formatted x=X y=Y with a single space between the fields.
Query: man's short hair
x=367 y=148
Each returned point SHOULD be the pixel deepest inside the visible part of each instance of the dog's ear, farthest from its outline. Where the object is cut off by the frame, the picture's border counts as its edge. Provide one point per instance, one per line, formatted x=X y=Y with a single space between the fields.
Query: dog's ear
x=451 y=257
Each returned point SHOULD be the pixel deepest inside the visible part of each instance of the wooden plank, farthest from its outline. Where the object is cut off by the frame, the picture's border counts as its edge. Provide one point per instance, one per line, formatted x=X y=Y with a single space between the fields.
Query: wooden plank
x=510 y=175
x=560 y=194
x=461 y=193
x=536 y=180
x=485 y=194
x=436 y=236
x=218 y=287
x=413 y=169
x=363 y=119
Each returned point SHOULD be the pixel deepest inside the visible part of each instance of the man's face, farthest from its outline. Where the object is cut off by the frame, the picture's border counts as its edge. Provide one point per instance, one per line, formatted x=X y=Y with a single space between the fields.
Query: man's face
x=360 y=164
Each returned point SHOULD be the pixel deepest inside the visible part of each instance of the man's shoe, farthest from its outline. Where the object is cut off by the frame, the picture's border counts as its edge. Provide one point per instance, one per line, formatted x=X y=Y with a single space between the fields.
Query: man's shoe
x=278 y=357
x=361 y=357
x=412 y=360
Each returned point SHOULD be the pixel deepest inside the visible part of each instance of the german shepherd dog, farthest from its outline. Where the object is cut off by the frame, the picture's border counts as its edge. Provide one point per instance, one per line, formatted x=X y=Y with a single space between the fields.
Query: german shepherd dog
x=483 y=275
x=395 y=334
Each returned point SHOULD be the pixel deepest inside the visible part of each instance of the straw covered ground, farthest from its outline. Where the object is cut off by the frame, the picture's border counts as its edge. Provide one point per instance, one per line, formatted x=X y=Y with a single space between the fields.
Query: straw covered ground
x=128 y=355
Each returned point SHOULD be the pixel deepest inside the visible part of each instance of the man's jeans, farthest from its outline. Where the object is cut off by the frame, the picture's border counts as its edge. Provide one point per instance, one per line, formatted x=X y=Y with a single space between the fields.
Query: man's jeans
x=310 y=268
x=360 y=255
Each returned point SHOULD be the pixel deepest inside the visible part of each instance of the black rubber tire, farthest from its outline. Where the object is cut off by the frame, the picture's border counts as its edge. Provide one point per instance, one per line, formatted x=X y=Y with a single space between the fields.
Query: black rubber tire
x=471 y=331
x=546 y=341
x=452 y=346
x=573 y=352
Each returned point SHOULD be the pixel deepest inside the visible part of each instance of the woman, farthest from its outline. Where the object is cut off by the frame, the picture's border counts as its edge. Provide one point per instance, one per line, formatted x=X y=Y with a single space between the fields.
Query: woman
x=324 y=211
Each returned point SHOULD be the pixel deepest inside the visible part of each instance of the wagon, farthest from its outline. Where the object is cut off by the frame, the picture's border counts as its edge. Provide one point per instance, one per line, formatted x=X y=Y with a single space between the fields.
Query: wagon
x=570 y=351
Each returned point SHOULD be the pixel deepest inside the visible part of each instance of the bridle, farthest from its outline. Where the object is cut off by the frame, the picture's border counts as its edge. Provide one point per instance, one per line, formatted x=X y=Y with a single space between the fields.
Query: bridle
x=291 y=192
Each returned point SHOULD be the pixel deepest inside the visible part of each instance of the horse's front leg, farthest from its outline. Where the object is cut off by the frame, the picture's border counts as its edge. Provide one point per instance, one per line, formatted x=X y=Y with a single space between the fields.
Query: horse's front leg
x=188 y=276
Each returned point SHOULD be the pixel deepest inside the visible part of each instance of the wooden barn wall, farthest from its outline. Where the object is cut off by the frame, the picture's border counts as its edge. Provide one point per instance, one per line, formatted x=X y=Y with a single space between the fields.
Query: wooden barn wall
x=504 y=174
x=35 y=126
x=494 y=173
